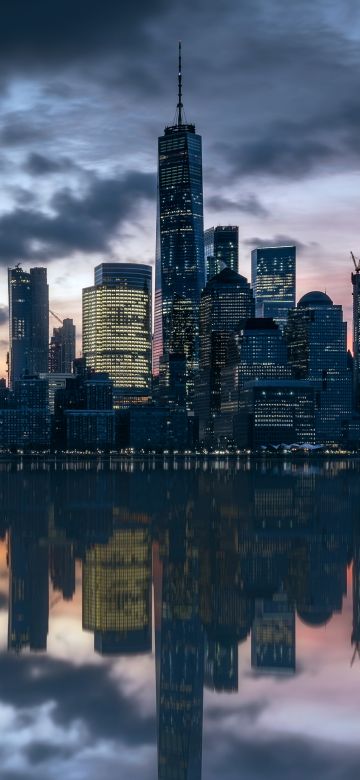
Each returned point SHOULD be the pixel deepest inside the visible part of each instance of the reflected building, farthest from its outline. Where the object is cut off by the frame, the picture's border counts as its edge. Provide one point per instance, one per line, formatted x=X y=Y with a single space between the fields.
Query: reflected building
x=28 y=591
x=117 y=591
x=179 y=657
x=221 y=666
x=273 y=636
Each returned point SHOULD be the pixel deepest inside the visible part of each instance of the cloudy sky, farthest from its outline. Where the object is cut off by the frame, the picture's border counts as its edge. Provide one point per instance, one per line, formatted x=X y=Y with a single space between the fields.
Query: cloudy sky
x=86 y=88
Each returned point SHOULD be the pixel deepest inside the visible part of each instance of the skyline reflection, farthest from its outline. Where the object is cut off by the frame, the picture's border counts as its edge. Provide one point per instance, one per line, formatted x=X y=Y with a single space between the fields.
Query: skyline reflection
x=198 y=579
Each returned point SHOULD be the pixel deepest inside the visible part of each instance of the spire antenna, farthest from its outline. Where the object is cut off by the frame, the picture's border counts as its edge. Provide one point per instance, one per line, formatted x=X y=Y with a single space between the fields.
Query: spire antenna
x=180 y=104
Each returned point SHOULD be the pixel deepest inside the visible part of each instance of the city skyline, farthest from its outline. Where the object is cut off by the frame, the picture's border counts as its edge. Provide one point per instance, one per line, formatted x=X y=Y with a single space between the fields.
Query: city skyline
x=70 y=189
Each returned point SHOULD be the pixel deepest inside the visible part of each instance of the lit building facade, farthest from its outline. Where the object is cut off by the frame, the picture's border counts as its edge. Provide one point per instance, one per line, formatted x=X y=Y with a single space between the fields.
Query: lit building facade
x=179 y=276
x=117 y=591
x=273 y=279
x=117 y=328
x=317 y=349
x=221 y=247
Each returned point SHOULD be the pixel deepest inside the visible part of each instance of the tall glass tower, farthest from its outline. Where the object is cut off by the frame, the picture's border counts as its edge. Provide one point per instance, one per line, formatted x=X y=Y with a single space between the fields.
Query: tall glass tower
x=273 y=277
x=28 y=322
x=179 y=276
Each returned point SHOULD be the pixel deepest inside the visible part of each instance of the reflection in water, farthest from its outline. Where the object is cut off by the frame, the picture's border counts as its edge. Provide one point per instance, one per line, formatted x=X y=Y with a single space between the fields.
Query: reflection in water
x=231 y=551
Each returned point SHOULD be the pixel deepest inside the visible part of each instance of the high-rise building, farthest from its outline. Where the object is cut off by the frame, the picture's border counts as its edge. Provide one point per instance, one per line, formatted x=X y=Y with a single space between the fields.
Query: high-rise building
x=179 y=276
x=117 y=328
x=276 y=412
x=316 y=335
x=221 y=247
x=273 y=279
x=273 y=635
x=226 y=303
x=28 y=322
x=257 y=352
x=62 y=348
x=355 y=278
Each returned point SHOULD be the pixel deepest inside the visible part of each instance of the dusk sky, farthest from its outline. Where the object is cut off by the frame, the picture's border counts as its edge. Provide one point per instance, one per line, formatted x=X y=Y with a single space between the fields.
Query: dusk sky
x=86 y=88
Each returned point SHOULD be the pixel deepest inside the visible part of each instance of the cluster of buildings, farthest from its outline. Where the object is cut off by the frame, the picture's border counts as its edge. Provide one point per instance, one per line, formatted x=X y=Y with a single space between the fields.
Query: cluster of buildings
x=223 y=571
x=230 y=362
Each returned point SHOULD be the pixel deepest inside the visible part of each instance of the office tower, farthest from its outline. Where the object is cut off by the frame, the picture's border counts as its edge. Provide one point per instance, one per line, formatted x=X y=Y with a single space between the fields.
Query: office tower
x=62 y=348
x=276 y=412
x=28 y=322
x=273 y=279
x=179 y=275
x=257 y=352
x=84 y=418
x=39 y=347
x=117 y=590
x=117 y=328
x=221 y=247
x=316 y=335
x=62 y=568
x=273 y=636
x=25 y=418
x=226 y=303
x=355 y=279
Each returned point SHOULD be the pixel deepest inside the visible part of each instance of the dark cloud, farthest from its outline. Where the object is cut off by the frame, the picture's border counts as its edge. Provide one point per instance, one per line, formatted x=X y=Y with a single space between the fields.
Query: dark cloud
x=40 y=165
x=4 y=314
x=49 y=33
x=85 y=694
x=277 y=240
x=247 y=205
x=277 y=757
x=41 y=752
x=17 y=129
x=86 y=222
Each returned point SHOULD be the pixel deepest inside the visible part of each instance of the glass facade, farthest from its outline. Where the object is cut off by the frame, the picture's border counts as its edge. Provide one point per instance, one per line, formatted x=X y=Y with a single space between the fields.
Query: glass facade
x=226 y=303
x=221 y=247
x=355 y=278
x=179 y=275
x=273 y=279
x=117 y=328
x=28 y=322
x=316 y=335
x=62 y=348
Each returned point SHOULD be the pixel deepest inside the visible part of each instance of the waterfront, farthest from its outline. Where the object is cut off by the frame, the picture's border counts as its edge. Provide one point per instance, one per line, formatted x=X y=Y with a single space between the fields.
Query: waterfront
x=180 y=619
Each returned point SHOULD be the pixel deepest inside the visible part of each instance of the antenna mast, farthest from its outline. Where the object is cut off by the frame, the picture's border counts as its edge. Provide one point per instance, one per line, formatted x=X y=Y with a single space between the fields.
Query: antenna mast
x=180 y=104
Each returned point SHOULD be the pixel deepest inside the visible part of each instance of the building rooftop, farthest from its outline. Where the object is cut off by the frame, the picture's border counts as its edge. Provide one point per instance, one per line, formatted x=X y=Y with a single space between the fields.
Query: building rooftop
x=315 y=298
x=226 y=276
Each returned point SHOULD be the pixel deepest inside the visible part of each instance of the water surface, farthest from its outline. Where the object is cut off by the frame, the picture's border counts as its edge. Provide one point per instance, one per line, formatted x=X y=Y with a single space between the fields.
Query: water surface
x=180 y=620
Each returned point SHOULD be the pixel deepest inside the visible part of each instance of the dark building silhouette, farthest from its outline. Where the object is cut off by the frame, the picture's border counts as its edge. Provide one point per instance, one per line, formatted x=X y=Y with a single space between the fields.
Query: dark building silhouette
x=257 y=352
x=273 y=279
x=84 y=418
x=179 y=276
x=226 y=303
x=355 y=279
x=316 y=335
x=28 y=322
x=62 y=348
x=221 y=247
x=273 y=636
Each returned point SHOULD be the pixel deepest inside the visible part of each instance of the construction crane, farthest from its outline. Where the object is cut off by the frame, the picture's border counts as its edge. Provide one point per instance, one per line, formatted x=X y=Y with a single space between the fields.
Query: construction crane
x=356 y=262
x=56 y=317
x=356 y=652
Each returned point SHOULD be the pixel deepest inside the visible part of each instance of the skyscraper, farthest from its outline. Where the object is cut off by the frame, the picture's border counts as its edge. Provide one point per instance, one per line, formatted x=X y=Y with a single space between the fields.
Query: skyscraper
x=355 y=278
x=179 y=276
x=28 y=322
x=273 y=279
x=117 y=328
x=221 y=247
x=316 y=335
x=226 y=303
x=62 y=348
